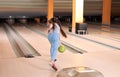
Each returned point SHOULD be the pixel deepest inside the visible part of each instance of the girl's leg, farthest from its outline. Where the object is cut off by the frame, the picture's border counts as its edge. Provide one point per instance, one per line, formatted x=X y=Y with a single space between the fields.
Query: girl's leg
x=52 y=51
x=54 y=41
x=51 y=43
x=54 y=54
x=55 y=50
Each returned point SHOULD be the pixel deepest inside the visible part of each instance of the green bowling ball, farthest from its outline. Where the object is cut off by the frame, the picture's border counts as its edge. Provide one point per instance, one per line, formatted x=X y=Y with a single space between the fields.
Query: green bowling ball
x=61 y=48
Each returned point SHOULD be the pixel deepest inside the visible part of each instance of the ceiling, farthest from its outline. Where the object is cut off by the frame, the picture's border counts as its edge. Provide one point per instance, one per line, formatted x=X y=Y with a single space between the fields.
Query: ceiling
x=34 y=8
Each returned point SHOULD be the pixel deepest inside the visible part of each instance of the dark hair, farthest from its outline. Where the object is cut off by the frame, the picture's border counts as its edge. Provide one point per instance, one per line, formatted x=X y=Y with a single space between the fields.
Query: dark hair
x=56 y=20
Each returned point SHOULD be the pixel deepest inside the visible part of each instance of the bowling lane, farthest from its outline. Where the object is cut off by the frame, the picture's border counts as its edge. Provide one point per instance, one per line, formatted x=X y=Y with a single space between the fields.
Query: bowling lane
x=6 y=50
x=87 y=45
x=40 y=43
x=111 y=35
x=114 y=33
x=81 y=43
x=107 y=41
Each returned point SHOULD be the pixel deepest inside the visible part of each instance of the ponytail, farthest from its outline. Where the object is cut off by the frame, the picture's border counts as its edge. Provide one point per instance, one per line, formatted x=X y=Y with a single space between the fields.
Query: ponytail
x=61 y=30
x=63 y=33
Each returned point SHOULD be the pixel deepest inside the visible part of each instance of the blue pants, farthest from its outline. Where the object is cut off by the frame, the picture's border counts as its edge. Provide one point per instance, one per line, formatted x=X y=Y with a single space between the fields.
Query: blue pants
x=54 y=41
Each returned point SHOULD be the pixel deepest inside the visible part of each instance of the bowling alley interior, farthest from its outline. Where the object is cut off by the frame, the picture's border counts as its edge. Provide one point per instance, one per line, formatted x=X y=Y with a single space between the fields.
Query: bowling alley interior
x=91 y=48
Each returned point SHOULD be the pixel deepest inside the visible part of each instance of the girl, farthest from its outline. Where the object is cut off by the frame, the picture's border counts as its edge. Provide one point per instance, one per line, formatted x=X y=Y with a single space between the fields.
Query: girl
x=54 y=31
